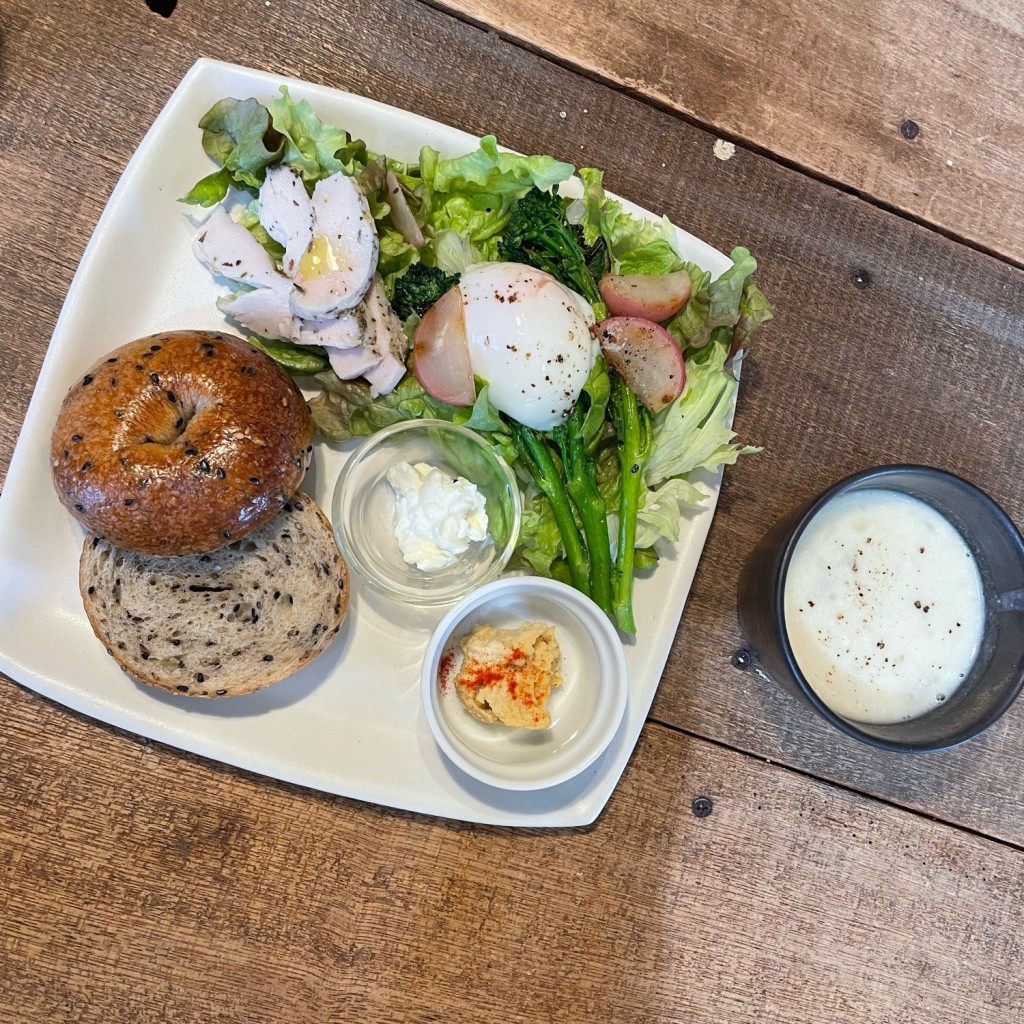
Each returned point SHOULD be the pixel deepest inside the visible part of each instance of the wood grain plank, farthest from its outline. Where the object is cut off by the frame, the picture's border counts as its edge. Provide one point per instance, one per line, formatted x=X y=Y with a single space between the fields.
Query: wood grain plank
x=140 y=884
x=922 y=365
x=827 y=86
x=918 y=367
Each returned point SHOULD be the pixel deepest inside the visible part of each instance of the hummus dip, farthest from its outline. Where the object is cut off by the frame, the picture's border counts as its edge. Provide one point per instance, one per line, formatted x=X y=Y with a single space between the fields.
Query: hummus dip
x=507 y=675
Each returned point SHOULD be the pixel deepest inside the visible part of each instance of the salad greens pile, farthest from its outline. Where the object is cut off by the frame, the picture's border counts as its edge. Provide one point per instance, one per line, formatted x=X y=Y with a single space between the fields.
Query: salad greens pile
x=600 y=490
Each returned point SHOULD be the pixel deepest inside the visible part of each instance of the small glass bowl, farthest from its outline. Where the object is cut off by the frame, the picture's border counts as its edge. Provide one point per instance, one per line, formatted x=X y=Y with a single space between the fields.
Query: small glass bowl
x=586 y=710
x=363 y=511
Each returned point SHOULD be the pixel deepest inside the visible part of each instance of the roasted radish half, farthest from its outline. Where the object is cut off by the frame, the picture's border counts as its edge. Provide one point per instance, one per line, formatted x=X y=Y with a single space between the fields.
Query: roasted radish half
x=646 y=356
x=651 y=296
x=440 y=353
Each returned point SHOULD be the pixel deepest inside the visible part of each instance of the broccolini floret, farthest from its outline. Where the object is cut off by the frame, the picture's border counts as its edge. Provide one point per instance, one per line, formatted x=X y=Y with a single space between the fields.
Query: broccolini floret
x=419 y=288
x=538 y=233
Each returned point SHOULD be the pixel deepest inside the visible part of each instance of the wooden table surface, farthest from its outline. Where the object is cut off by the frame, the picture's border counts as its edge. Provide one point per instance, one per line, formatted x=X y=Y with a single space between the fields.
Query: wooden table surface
x=831 y=882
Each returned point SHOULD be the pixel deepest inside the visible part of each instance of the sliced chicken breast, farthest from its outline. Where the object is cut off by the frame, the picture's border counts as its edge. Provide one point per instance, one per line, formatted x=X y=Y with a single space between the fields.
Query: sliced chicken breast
x=230 y=250
x=264 y=311
x=337 y=267
x=346 y=331
x=385 y=376
x=287 y=213
x=349 y=363
x=389 y=338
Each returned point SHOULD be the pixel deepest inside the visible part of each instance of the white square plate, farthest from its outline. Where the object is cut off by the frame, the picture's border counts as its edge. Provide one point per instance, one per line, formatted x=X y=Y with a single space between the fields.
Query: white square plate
x=351 y=723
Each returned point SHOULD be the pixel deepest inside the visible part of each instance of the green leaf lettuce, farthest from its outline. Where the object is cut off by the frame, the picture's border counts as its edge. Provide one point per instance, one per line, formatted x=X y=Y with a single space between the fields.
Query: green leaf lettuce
x=474 y=194
x=315 y=149
x=695 y=431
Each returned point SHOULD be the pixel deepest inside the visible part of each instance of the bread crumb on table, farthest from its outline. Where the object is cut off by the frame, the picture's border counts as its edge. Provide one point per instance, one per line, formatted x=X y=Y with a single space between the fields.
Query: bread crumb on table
x=723 y=150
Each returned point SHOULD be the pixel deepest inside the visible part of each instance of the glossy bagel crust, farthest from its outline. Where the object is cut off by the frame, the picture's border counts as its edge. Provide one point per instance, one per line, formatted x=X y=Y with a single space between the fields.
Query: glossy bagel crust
x=180 y=443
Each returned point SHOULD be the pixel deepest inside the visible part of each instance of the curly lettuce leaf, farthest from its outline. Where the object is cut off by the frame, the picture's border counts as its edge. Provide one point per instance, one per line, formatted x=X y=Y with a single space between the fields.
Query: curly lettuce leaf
x=395 y=256
x=695 y=431
x=210 y=190
x=540 y=542
x=245 y=137
x=598 y=390
x=238 y=135
x=754 y=311
x=718 y=308
x=483 y=417
x=594 y=212
x=473 y=194
x=663 y=509
x=297 y=360
x=453 y=252
x=655 y=257
x=315 y=149
x=491 y=171
x=636 y=246
x=345 y=408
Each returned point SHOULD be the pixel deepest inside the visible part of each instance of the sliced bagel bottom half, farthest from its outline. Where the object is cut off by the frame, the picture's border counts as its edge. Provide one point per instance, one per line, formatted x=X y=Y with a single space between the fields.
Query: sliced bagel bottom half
x=225 y=623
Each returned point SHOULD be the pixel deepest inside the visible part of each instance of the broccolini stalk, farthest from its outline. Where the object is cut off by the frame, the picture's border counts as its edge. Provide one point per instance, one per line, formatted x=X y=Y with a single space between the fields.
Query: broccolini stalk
x=633 y=427
x=544 y=471
x=581 y=483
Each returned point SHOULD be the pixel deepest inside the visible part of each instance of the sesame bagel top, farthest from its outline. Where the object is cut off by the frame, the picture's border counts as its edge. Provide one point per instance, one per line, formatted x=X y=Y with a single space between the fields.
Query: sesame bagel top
x=180 y=443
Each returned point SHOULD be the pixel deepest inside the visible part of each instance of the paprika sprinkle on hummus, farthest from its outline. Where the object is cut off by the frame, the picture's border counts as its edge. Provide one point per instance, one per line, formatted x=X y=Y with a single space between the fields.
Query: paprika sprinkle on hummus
x=507 y=675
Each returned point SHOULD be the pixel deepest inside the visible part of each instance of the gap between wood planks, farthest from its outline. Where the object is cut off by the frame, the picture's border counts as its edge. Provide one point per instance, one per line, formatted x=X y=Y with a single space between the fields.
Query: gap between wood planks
x=842 y=787
x=738 y=140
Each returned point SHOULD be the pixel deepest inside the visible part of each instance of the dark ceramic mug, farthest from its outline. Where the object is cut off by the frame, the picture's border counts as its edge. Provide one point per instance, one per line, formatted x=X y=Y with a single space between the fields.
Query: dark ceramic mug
x=997 y=675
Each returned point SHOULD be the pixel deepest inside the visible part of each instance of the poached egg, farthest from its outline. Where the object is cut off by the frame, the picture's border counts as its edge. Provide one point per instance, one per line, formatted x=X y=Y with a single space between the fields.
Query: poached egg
x=529 y=337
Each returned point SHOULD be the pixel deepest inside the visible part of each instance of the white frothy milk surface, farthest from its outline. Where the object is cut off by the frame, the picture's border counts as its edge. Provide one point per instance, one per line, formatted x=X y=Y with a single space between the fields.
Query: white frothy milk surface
x=884 y=606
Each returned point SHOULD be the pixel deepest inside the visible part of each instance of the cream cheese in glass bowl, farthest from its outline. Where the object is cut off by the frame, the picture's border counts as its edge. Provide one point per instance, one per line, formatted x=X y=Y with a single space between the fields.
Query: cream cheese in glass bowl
x=436 y=514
